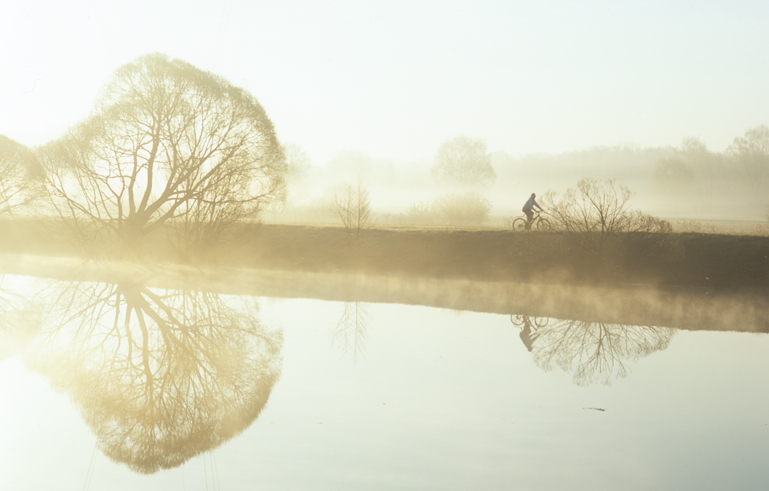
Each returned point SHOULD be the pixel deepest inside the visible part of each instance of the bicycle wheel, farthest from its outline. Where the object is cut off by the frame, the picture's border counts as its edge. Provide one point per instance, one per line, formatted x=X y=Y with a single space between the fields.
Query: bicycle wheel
x=543 y=224
x=540 y=321
x=516 y=319
x=519 y=224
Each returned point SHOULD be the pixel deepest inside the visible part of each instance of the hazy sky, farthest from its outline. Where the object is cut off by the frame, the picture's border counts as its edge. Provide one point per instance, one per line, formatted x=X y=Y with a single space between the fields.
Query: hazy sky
x=397 y=78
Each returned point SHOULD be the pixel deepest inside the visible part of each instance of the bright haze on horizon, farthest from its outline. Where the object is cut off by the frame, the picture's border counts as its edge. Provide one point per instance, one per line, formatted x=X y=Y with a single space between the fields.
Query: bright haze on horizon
x=396 y=79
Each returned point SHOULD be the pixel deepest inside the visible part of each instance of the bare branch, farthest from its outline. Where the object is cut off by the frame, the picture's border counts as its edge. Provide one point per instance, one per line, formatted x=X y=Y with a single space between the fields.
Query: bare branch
x=168 y=142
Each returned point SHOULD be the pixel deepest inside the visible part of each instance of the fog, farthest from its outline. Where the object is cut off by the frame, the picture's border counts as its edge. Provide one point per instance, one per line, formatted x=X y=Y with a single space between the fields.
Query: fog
x=687 y=183
x=557 y=91
x=395 y=80
x=280 y=236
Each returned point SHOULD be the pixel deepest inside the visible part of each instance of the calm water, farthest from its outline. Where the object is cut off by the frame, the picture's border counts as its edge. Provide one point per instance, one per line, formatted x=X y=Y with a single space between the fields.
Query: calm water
x=118 y=386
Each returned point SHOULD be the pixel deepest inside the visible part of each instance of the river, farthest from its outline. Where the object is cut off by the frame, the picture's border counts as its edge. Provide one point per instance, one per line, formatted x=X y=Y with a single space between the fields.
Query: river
x=123 y=386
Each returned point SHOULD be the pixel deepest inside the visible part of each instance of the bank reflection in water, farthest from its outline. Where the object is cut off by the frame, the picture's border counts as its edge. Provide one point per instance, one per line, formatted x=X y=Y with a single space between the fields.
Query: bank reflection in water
x=594 y=352
x=159 y=376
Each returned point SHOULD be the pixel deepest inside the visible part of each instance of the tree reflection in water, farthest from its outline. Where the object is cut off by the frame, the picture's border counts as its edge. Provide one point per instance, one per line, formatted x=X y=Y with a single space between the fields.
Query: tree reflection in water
x=595 y=352
x=350 y=330
x=19 y=320
x=159 y=376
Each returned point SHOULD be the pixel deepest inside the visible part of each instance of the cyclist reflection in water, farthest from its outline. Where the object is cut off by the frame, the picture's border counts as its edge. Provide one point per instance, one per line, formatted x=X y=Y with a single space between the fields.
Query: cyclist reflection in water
x=527 y=336
x=528 y=208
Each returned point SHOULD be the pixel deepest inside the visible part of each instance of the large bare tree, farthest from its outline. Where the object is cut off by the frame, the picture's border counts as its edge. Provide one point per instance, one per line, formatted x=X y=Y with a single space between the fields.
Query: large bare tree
x=167 y=143
x=19 y=176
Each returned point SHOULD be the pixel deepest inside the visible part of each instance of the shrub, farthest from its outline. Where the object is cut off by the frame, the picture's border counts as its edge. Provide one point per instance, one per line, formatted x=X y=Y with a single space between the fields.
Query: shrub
x=468 y=208
x=420 y=214
x=353 y=207
x=609 y=238
x=593 y=212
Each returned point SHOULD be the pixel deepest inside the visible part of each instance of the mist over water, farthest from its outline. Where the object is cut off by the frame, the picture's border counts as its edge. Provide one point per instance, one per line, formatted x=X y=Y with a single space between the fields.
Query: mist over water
x=231 y=390
x=324 y=288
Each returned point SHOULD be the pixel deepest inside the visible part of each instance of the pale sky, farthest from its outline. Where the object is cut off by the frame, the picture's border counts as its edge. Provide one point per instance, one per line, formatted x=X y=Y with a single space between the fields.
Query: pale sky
x=395 y=79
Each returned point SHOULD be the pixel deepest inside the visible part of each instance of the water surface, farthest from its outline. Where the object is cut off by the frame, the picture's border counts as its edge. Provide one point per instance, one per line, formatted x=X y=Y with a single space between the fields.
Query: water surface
x=122 y=386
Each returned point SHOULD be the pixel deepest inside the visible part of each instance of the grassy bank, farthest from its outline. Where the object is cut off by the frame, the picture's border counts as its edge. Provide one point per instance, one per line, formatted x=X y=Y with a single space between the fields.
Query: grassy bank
x=676 y=307
x=699 y=260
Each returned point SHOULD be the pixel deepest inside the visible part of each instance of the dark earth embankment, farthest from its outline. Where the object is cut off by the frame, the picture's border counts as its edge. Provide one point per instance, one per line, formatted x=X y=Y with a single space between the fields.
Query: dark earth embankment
x=693 y=260
x=687 y=281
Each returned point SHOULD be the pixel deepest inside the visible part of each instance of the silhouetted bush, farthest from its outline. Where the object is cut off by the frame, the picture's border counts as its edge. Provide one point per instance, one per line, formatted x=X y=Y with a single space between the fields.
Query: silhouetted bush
x=595 y=211
x=605 y=236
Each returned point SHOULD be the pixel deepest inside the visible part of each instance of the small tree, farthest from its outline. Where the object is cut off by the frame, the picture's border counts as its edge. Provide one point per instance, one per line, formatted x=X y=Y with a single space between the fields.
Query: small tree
x=353 y=206
x=463 y=162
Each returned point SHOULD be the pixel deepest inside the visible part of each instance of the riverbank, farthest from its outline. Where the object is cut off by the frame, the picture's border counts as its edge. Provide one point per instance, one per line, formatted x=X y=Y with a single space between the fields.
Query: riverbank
x=686 y=281
x=697 y=309
x=691 y=260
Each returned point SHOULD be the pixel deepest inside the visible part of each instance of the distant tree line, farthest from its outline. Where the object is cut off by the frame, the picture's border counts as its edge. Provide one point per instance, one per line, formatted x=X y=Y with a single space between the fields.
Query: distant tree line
x=690 y=170
x=171 y=146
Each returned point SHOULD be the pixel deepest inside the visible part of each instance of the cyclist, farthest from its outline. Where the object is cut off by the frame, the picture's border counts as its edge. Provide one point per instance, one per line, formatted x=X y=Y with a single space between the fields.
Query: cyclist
x=526 y=335
x=528 y=208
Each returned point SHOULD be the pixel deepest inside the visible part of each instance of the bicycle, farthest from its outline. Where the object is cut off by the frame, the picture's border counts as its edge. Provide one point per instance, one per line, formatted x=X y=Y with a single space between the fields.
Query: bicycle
x=522 y=223
x=528 y=335
x=519 y=320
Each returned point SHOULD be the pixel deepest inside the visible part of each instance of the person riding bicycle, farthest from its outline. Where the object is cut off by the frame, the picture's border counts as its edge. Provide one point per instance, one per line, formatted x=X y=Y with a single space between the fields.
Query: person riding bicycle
x=528 y=208
x=526 y=334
